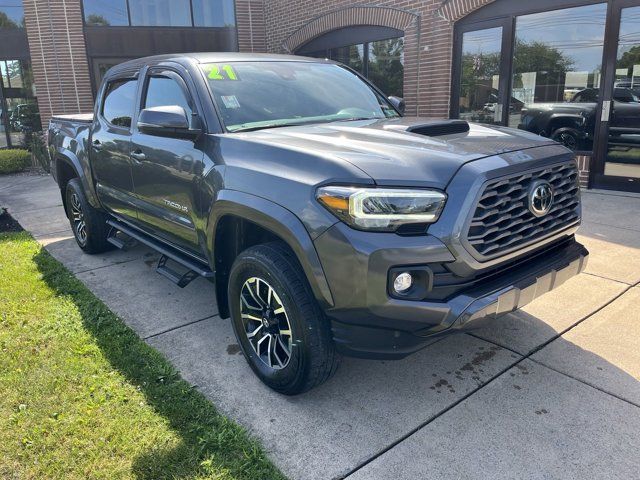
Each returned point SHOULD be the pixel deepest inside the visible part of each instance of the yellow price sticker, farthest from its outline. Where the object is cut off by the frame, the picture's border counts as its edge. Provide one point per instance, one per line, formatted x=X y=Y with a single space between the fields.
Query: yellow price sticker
x=222 y=72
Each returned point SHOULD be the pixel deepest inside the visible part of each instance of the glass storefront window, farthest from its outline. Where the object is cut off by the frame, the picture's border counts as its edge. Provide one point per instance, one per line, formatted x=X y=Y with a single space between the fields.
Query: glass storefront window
x=11 y=14
x=105 y=13
x=352 y=56
x=171 y=13
x=159 y=13
x=381 y=61
x=386 y=65
x=557 y=55
x=623 y=146
x=213 y=13
x=481 y=54
x=19 y=115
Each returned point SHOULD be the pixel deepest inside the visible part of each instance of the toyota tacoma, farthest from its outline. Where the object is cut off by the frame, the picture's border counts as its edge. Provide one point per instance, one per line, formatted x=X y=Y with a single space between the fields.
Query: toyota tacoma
x=329 y=222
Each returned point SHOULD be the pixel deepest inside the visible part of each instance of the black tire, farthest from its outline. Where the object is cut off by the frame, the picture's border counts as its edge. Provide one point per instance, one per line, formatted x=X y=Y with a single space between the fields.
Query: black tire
x=92 y=237
x=312 y=356
x=568 y=137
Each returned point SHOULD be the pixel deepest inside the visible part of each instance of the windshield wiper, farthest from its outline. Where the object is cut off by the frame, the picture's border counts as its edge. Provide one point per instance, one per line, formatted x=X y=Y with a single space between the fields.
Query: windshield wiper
x=274 y=125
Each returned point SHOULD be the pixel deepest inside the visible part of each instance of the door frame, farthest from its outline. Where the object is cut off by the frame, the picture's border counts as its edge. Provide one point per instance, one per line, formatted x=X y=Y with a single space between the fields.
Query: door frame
x=506 y=61
x=597 y=178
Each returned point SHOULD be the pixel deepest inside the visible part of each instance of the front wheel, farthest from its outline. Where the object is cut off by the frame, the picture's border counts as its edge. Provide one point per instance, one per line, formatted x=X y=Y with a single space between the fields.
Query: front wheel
x=280 y=327
x=568 y=137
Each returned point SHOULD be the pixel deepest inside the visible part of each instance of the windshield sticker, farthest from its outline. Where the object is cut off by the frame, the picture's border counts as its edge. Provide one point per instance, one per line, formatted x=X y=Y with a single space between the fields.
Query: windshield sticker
x=230 y=101
x=222 y=72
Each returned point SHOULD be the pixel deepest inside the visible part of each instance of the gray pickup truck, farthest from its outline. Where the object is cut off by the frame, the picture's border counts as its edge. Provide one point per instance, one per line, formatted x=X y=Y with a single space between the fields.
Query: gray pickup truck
x=330 y=223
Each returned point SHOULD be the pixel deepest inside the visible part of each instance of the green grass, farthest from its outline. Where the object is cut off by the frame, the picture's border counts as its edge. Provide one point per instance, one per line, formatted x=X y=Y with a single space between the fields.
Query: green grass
x=81 y=396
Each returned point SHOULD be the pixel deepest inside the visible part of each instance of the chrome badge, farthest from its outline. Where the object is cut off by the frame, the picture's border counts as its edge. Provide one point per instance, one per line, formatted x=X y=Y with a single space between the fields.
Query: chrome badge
x=540 y=198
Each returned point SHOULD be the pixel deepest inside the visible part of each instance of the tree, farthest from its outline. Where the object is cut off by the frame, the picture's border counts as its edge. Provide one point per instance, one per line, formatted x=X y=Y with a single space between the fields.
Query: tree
x=6 y=22
x=630 y=58
x=385 y=65
x=97 y=20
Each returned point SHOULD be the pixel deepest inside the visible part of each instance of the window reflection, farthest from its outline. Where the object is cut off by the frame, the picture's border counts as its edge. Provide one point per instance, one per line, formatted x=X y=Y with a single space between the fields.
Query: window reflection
x=11 y=14
x=381 y=61
x=386 y=65
x=623 y=149
x=104 y=13
x=351 y=55
x=213 y=13
x=557 y=72
x=173 y=13
x=19 y=116
x=481 y=54
x=168 y=13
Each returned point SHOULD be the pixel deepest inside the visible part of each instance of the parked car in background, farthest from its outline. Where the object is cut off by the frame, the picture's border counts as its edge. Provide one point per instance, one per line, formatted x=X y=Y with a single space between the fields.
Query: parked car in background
x=328 y=221
x=573 y=123
x=24 y=118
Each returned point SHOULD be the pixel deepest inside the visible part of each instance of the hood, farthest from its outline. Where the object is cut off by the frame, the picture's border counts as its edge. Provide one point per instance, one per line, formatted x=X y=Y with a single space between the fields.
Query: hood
x=391 y=154
x=565 y=106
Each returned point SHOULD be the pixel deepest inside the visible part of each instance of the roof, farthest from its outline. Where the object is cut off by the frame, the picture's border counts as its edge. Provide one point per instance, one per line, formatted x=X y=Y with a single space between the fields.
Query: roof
x=132 y=66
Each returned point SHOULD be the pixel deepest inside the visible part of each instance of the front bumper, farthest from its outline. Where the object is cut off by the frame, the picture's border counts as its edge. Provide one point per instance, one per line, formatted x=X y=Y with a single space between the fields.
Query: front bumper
x=366 y=322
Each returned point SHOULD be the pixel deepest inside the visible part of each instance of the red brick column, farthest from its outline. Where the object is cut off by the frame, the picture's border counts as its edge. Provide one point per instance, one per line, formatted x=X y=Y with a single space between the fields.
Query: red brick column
x=58 y=57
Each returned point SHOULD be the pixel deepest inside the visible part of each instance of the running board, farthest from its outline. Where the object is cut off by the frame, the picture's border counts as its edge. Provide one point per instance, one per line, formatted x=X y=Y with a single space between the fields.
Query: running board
x=194 y=268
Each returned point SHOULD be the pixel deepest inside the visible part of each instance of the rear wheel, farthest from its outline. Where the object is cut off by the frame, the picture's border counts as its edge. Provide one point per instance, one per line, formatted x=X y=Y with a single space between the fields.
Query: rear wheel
x=89 y=225
x=280 y=327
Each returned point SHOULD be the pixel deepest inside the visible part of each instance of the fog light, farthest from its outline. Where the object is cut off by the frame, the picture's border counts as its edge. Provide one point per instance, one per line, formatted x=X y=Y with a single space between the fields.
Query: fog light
x=403 y=282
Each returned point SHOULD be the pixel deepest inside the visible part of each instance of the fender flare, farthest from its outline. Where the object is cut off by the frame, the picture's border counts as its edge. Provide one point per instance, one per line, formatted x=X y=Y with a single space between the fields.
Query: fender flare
x=279 y=221
x=70 y=158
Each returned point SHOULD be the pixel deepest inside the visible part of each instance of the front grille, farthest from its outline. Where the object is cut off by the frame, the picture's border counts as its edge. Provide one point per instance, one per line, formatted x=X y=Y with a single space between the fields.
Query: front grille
x=502 y=221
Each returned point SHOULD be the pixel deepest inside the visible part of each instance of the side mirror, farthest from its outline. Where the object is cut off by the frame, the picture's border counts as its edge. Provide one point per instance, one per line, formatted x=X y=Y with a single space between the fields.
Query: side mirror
x=167 y=121
x=398 y=103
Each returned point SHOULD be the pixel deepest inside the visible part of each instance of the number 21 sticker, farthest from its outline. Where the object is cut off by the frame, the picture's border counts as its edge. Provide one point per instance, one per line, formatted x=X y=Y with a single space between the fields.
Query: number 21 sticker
x=222 y=72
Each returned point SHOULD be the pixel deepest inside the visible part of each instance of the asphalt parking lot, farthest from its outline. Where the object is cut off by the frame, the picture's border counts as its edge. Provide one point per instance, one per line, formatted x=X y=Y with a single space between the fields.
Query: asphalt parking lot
x=549 y=392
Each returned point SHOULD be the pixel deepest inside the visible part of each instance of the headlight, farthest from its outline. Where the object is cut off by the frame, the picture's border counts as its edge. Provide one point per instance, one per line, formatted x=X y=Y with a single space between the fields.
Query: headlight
x=382 y=209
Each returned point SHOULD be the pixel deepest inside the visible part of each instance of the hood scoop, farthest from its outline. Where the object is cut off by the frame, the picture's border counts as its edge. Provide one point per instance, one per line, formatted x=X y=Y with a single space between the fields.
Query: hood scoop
x=435 y=128
x=440 y=128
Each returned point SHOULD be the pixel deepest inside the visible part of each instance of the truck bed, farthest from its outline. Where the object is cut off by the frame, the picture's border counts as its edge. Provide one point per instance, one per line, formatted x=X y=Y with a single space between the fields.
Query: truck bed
x=75 y=118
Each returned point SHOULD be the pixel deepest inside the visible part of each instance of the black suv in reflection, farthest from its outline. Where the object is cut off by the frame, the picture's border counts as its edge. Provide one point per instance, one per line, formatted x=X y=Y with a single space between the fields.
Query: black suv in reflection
x=573 y=123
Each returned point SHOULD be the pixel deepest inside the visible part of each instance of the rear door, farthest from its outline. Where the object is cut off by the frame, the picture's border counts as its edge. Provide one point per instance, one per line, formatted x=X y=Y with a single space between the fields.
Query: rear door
x=166 y=169
x=110 y=144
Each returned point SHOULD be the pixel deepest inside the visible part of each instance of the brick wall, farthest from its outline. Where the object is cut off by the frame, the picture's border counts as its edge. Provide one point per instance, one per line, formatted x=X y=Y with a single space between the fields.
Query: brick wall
x=250 y=22
x=427 y=24
x=58 y=55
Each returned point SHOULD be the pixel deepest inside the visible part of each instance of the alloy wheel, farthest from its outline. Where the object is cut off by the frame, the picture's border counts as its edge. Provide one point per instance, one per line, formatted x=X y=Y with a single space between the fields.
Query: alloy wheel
x=77 y=216
x=568 y=140
x=266 y=323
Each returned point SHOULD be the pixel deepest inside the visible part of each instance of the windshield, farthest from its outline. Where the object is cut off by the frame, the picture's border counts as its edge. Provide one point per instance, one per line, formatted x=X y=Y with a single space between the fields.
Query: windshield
x=254 y=95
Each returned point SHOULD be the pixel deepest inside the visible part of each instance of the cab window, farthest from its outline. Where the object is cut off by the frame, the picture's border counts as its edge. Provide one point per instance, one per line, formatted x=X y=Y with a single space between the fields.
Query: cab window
x=164 y=91
x=119 y=101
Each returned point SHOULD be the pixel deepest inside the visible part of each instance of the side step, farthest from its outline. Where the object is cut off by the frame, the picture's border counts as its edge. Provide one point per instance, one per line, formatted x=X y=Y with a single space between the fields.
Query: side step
x=193 y=267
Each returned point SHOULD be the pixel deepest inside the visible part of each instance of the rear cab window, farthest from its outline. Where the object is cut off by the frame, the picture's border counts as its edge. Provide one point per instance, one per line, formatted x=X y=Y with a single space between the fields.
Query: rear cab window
x=118 y=103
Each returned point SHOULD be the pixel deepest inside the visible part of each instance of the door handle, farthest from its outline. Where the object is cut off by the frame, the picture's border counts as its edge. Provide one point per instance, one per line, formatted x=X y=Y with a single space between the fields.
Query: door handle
x=606 y=111
x=96 y=145
x=138 y=156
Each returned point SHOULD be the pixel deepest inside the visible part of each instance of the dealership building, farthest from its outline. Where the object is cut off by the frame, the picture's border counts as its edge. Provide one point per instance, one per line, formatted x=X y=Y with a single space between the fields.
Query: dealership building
x=567 y=69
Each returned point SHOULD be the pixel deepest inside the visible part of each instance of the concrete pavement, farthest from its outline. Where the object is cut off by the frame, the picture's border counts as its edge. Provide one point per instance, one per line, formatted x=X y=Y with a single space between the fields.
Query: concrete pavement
x=552 y=391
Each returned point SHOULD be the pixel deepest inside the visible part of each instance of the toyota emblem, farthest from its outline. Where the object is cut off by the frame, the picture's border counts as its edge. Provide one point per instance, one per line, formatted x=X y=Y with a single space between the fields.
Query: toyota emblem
x=540 y=198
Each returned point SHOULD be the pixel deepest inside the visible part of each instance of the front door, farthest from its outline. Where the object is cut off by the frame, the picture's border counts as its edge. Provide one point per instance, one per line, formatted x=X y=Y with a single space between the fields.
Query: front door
x=166 y=169
x=618 y=150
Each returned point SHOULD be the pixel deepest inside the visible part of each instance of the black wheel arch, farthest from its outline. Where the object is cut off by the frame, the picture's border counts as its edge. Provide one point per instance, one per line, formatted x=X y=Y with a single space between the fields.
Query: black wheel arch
x=66 y=165
x=239 y=220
